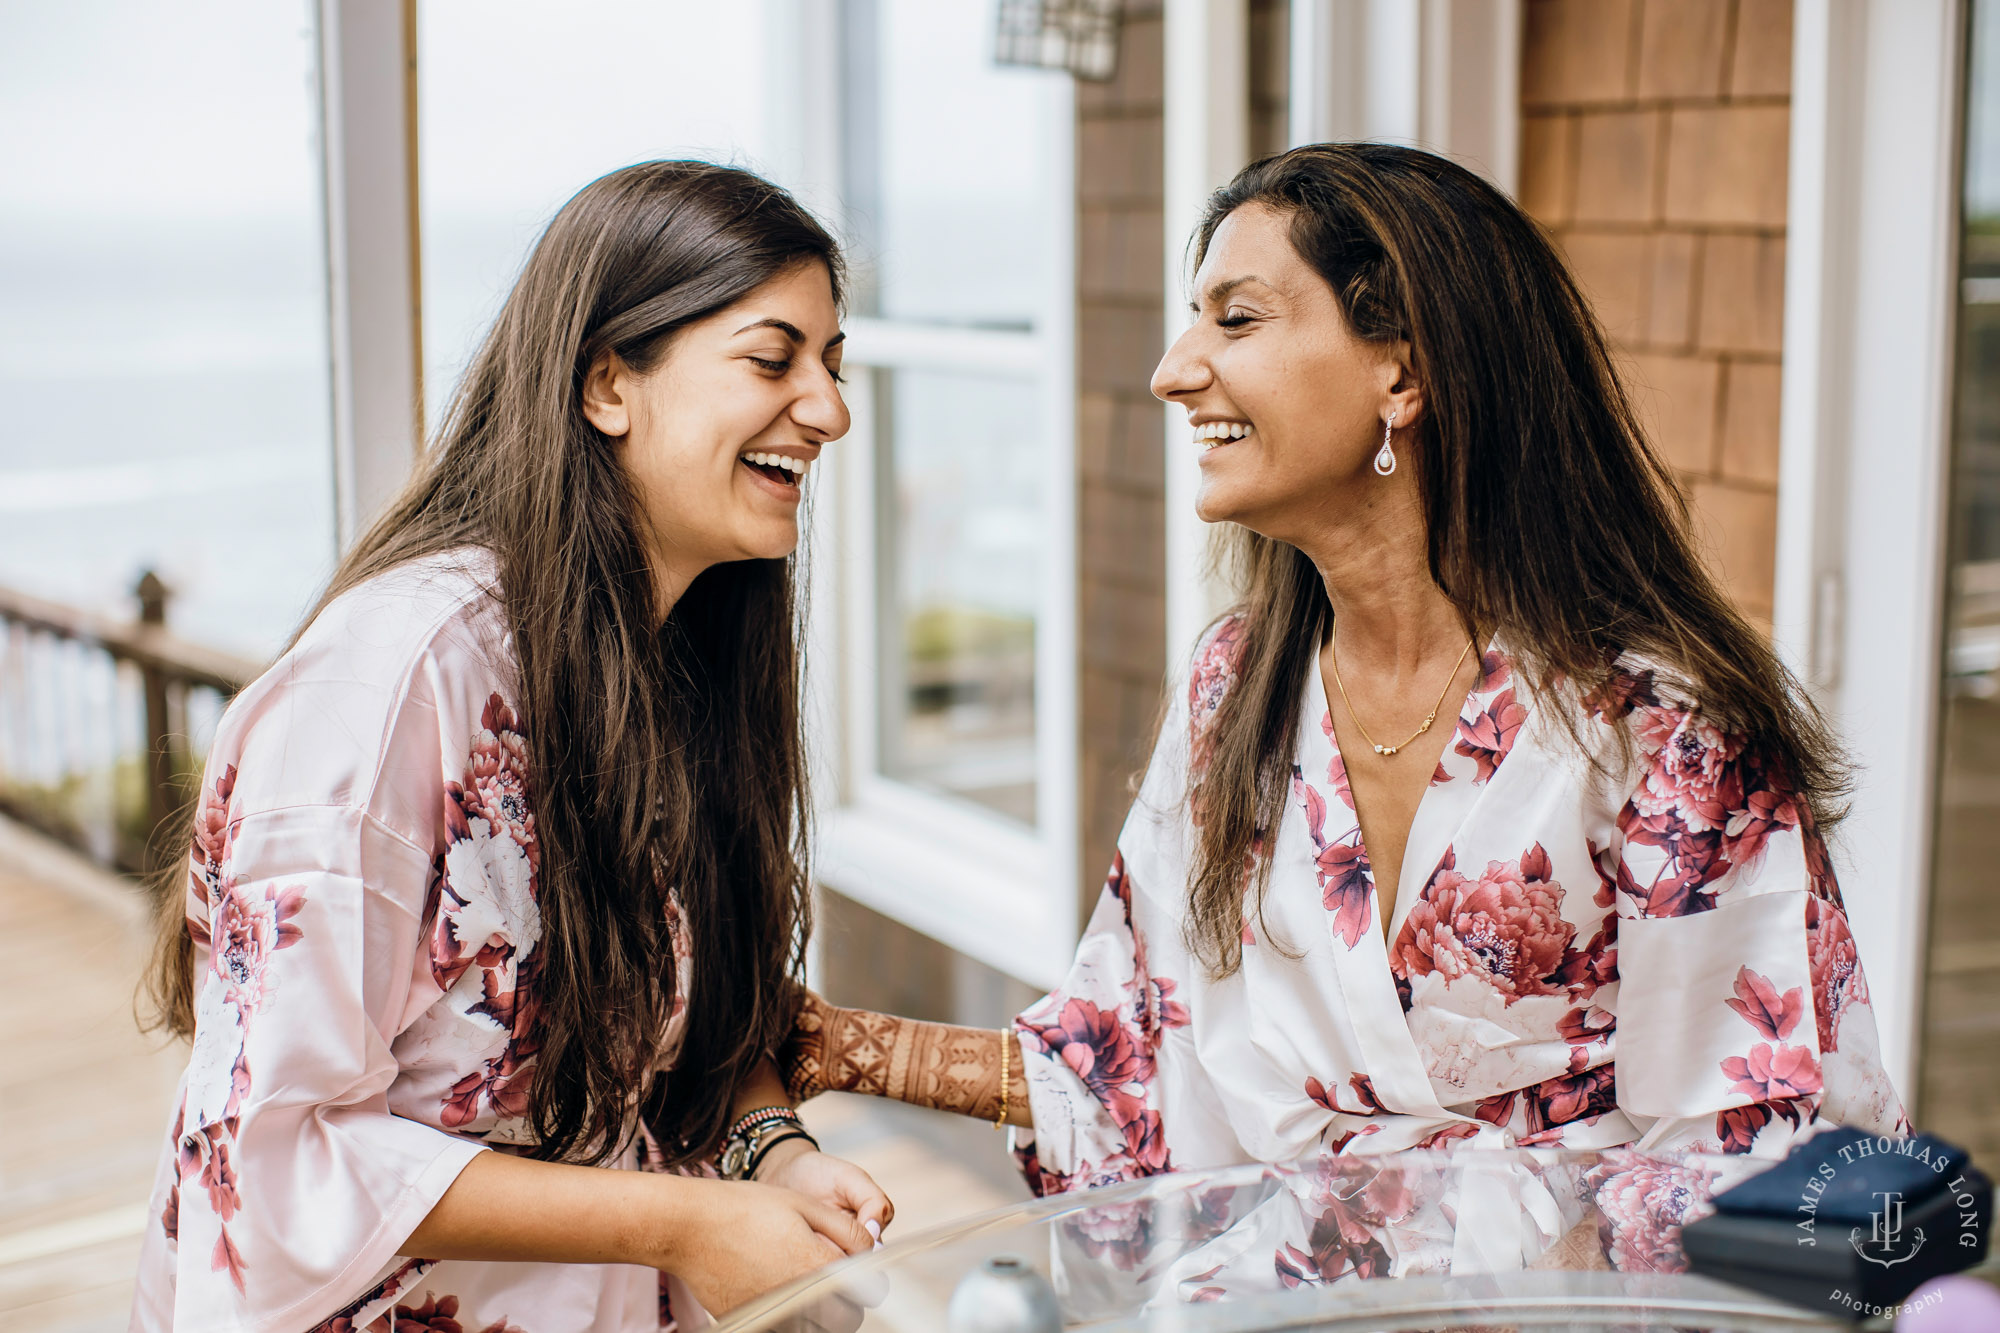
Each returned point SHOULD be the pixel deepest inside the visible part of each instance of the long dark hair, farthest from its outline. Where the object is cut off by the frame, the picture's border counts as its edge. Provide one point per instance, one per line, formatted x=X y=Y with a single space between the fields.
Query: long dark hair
x=664 y=760
x=1549 y=518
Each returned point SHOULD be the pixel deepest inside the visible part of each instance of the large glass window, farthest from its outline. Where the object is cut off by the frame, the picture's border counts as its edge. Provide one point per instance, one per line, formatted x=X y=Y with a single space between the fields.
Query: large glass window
x=949 y=198
x=953 y=501
x=947 y=194
x=523 y=103
x=1961 y=1037
x=163 y=368
x=964 y=572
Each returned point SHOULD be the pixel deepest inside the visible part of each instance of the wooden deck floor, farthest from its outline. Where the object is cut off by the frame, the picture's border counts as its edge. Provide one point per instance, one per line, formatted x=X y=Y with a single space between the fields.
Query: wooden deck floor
x=83 y=1095
x=84 y=1100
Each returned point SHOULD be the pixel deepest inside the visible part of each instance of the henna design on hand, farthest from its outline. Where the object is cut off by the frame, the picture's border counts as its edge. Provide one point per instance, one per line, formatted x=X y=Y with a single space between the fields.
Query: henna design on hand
x=802 y=1059
x=935 y=1065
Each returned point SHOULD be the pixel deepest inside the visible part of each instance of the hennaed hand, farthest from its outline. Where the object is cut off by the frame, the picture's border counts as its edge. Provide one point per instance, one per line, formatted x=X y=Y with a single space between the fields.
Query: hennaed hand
x=802 y=1059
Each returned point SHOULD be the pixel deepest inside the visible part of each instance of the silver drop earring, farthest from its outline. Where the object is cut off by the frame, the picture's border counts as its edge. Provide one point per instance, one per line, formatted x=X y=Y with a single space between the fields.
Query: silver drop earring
x=1385 y=458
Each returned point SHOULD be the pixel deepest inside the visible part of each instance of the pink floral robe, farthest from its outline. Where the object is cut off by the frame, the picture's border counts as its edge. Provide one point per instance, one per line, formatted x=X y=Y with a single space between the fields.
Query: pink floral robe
x=1543 y=920
x=362 y=898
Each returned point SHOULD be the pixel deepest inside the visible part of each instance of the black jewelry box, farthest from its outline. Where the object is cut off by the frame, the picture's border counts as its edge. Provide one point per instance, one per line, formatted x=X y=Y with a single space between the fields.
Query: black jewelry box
x=1841 y=1264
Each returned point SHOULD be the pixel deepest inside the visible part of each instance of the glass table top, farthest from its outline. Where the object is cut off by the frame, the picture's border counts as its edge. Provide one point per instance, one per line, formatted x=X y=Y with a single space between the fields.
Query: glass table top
x=1481 y=1238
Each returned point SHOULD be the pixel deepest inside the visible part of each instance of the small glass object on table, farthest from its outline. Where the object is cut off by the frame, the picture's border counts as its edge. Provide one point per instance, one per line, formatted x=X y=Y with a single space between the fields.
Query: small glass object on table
x=1521 y=1238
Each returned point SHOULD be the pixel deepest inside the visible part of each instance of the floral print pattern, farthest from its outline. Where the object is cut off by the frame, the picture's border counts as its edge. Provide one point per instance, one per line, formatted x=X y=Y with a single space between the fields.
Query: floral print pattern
x=1347 y=1235
x=1486 y=735
x=1506 y=927
x=362 y=900
x=243 y=928
x=1836 y=969
x=1546 y=914
x=1772 y=1071
x=482 y=949
x=1346 y=882
x=1706 y=807
x=1214 y=670
x=1642 y=1206
x=1111 y=1051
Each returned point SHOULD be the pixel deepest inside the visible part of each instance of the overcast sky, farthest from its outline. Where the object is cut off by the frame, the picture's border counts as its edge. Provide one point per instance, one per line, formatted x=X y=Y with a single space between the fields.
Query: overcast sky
x=190 y=110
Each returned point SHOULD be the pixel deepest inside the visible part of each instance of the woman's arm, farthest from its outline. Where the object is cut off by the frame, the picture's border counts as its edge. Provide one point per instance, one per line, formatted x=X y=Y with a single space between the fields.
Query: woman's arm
x=728 y=1241
x=935 y=1065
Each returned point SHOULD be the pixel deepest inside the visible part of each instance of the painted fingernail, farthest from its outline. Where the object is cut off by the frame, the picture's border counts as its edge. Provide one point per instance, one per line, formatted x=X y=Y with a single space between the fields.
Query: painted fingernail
x=874 y=1230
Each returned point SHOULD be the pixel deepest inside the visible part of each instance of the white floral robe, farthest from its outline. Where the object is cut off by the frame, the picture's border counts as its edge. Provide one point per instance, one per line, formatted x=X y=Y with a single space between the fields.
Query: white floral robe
x=1544 y=919
x=362 y=897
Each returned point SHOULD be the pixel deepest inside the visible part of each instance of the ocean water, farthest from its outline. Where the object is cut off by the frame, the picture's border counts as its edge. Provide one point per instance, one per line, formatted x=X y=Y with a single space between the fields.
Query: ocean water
x=164 y=405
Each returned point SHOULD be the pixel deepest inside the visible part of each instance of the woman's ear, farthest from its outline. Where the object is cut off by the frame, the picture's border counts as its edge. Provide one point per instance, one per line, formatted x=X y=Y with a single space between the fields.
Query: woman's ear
x=1406 y=396
x=606 y=404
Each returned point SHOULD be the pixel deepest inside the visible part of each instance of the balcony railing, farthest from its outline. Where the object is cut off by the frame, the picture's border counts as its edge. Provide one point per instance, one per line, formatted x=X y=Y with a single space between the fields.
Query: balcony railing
x=103 y=723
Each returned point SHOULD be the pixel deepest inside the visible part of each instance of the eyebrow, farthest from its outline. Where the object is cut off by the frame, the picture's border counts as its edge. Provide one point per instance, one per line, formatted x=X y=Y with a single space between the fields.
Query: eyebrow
x=1224 y=288
x=791 y=331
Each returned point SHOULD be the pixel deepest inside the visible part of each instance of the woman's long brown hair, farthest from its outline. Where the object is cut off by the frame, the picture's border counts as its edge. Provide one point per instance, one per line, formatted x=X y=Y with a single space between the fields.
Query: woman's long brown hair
x=662 y=758
x=1549 y=517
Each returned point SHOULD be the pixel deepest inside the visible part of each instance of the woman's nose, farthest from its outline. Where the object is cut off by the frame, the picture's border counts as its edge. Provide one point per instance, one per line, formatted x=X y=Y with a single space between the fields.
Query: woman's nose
x=1180 y=370
x=823 y=411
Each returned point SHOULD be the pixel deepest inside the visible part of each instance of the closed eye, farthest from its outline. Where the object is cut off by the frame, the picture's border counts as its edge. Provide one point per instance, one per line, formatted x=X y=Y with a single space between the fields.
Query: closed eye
x=775 y=367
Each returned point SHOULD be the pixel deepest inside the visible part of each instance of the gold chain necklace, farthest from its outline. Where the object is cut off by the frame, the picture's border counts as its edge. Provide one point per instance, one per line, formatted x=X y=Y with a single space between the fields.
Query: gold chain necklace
x=1429 y=717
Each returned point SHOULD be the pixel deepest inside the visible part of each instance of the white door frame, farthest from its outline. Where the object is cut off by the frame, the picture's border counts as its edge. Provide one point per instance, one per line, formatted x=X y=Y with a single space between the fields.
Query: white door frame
x=1870 y=306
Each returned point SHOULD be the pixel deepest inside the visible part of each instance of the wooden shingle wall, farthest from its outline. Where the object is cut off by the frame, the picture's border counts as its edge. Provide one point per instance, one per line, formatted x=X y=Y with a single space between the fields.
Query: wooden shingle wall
x=1121 y=593
x=1654 y=147
x=1121 y=288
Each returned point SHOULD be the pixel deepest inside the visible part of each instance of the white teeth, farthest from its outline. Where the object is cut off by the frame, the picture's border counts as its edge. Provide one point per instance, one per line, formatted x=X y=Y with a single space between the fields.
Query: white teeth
x=1209 y=434
x=796 y=466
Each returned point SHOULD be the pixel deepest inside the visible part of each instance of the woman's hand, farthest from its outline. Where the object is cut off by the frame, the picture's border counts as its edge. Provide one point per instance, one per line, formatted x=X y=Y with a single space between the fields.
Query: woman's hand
x=797 y=1165
x=731 y=1241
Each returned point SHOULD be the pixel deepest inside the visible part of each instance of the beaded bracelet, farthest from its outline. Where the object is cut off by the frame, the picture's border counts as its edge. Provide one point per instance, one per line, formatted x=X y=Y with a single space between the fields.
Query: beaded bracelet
x=753 y=1131
x=749 y=1120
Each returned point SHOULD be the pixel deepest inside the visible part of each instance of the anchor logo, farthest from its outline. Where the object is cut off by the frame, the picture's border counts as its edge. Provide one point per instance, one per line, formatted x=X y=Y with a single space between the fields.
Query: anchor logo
x=1885 y=1241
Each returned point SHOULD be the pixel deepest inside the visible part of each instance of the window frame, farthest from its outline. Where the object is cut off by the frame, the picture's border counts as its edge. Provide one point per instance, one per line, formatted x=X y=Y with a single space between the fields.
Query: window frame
x=1871 y=280
x=987 y=886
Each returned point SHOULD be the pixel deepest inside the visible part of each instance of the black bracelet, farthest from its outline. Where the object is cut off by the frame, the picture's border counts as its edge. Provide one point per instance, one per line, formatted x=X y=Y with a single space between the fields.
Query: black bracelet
x=764 y=1149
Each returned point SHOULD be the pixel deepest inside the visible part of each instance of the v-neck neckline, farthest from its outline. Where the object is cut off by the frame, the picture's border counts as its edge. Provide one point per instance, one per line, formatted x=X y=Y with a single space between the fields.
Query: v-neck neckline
x=1398 y=1071
x=1430 y=831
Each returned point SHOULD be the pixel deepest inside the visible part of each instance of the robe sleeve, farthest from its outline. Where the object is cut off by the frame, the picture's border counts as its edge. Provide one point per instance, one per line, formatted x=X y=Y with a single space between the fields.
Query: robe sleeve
x=1094 y=1050
x=297 y=1185
x=1090 y=1065
x=1743 y=1018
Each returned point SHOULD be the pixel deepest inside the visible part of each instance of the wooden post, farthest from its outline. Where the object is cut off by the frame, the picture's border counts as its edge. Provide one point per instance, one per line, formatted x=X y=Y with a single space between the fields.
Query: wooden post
x=152 y=593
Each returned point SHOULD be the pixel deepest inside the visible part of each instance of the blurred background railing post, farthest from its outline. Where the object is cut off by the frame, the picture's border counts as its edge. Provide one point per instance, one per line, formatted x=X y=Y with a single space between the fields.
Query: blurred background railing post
x=152 y=593
x=104 y=722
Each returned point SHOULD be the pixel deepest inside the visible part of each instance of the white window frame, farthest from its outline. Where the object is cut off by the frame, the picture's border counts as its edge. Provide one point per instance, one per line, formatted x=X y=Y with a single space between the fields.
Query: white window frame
x=987 y=886
x=368 y=93
x=1871 y=296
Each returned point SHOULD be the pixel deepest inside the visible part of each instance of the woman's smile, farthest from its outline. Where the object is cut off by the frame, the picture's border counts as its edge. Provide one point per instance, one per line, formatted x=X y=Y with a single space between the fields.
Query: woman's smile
x=780 y=472
x=1212 y=435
